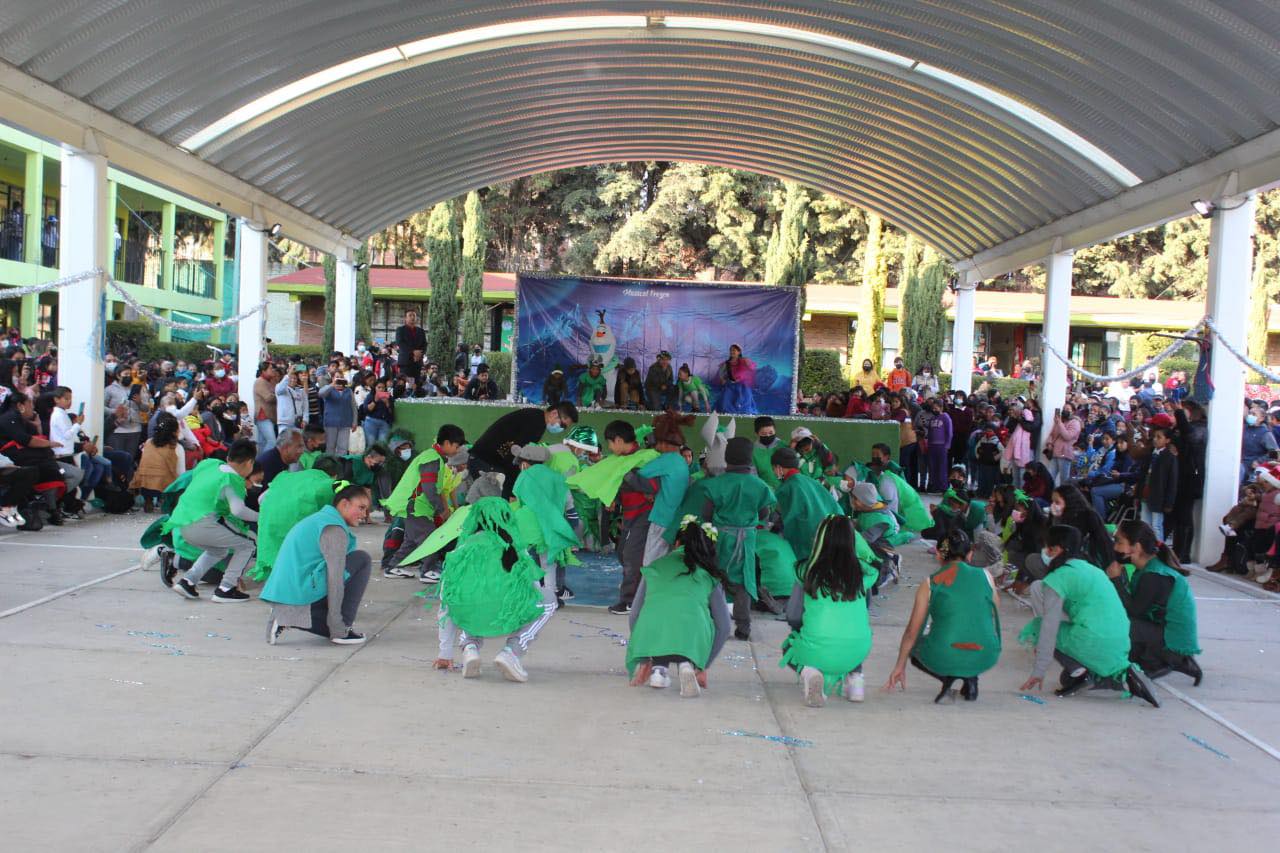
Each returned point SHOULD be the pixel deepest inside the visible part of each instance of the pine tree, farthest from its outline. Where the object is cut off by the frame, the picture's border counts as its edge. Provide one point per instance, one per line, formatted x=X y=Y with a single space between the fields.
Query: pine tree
x=869 y=342
x=364 y=297
x=475 y=240
x=790 y=257
x=442 y=310
x=924 y=321
x=330 y=267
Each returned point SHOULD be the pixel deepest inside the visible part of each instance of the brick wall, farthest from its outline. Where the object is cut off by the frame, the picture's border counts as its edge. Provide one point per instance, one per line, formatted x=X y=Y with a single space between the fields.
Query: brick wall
x=825 y=331
x=311 y=321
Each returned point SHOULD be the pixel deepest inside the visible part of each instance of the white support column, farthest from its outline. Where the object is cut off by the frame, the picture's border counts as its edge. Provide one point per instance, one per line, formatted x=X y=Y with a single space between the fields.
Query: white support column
x=253 y=289
x=344 y=302
x=82 y=306
x=1057 y=332
x=962 y=334
x=1227 y=303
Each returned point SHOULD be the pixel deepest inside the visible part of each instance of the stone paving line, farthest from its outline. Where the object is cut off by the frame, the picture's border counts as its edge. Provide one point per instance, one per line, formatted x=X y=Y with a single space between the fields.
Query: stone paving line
x=616 y=755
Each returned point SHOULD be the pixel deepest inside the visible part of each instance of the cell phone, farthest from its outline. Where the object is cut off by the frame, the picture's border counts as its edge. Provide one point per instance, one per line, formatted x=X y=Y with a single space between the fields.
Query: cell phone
x=80 y=413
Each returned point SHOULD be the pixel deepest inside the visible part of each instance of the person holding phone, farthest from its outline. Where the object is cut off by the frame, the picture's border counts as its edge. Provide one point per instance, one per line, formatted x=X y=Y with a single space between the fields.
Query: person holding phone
x=378 y=413
x=68 y=437
x=339 y=415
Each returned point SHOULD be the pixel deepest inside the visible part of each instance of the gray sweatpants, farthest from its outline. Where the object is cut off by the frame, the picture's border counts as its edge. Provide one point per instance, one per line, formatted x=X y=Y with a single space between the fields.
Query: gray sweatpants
x=218 y=541
x=416 y=531
x=336 y=440
x=655 y=546
x=519 y=640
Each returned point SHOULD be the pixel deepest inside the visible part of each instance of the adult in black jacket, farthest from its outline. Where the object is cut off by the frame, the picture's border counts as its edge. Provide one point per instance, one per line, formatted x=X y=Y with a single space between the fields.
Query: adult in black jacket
x=1191 y=439
x=411 y=342
x=492 y=450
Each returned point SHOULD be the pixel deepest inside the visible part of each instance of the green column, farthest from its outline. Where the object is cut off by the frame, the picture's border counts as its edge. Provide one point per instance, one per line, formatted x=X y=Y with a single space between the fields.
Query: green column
x=164 y=333
x=33 y=206
x=113 y=194
x=219 y=274
x=168 y=227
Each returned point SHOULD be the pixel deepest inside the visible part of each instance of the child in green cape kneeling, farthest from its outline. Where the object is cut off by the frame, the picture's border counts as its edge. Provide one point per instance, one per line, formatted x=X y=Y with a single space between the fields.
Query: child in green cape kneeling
x=490 y=588
x=827 y=611
x=679 y=616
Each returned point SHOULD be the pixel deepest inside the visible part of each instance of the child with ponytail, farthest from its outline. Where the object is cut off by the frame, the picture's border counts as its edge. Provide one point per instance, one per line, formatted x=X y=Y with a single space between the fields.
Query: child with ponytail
x=679 y=616
x=827 y=611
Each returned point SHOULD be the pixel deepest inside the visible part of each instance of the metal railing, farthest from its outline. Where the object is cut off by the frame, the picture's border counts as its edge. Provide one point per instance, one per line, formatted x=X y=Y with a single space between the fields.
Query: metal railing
x=138 y=262
x=13 y=229
x=194 y=278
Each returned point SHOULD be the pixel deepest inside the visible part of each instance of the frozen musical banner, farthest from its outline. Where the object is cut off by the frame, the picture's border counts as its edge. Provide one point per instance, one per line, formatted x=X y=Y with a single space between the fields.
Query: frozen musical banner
x=566 y=323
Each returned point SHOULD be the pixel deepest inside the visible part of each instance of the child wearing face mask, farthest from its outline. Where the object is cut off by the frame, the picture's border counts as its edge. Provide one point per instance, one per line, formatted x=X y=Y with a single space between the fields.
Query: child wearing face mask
x=762 y=453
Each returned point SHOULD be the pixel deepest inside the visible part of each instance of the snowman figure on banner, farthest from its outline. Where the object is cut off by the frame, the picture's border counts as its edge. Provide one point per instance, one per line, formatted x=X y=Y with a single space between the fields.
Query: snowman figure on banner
x=605 y=347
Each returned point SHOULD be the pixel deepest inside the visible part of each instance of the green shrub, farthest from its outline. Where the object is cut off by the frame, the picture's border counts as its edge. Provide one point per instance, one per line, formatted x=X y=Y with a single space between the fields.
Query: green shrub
x=300 y=352
x=126 y=336
x=944 y=382
x=154 y=350
x=1010 y=387
x=1176 y=363
x=821 y=373
x=500 y=370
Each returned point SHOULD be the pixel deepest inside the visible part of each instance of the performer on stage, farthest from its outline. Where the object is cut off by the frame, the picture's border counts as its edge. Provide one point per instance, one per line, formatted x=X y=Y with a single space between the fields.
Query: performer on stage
x=737 y=376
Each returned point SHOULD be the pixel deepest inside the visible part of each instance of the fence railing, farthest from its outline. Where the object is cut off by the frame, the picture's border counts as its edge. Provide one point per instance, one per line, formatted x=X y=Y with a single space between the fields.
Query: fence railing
x=13 y=229
x=194 y=278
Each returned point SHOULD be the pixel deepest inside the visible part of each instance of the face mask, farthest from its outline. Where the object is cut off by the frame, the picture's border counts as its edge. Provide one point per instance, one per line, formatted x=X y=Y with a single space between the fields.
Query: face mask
x=845 y=486
x=1018 y=516
x=1055 y=510
x=1120 y=558
x=767 y=440
x=555 y=429
x=110 y=367
x=866 y=368
x=219 y=373
x=1251 y=420
x=406 y=454
x=1044 y=555
x=360 y=348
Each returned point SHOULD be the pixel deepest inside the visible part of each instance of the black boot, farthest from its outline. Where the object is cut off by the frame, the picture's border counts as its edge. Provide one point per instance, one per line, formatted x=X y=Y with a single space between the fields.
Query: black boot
x=946 y=689
x=1138 y=686
x=1188 y=666
x=969 y=689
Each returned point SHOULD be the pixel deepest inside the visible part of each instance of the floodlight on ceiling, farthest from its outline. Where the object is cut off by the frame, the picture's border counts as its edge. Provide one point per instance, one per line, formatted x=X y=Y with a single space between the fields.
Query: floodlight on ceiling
x=548 y=30
x=361 y=267
x=1204 y=207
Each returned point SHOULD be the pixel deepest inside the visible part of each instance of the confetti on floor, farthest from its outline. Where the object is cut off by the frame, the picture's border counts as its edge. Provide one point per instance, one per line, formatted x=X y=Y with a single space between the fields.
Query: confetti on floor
x=1030 y=698
x=1201 y=743
x=782 y=739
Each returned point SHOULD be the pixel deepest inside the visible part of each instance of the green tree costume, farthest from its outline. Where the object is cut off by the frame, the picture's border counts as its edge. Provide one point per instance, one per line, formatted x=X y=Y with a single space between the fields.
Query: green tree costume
x=676 y=618
x=737 y=501
x=293 y=496
x=591 y=388
x=480 y=595
x=914 y=514
x=963 y=639
x=1097 y=633
x=1179 y=616
x=602 y=480
x=835 y=637
x=803 y=503
x=544 y=493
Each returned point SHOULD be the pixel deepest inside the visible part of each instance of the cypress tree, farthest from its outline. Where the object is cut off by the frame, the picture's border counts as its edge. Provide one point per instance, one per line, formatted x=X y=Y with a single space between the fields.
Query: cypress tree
x=475 y=240
x=364 y=297
x=1259 y=317
x=442 y=310
x=330 y=267
x=869 y=342
x=923 y=321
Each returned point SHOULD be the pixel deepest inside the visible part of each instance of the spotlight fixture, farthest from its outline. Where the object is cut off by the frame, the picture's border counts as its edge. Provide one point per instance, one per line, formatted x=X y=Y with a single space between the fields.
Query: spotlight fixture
x=1204 y=208
x=273 y=232
x=952 y=284
x=361 y=267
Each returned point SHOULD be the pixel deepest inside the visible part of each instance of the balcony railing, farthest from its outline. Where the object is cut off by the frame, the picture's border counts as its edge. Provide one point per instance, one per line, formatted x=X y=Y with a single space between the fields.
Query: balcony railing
x=138 y=262
x=194 y=278
x=13 y=228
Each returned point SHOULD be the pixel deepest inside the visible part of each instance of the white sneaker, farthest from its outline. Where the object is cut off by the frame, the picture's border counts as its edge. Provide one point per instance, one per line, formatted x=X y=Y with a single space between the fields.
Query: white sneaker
x=855 y=687
x=659 y=679
x=509 y=664
x=1226 y=531
x=689 y=687
x=274 y=630
x=470 y=661
x=1264 y=575
x=430 y=576
x=812 y=682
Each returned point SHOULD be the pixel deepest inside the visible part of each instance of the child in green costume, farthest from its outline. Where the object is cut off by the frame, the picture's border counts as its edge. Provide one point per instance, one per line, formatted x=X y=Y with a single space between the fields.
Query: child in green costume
x=593 y=386
x=492 y=587
x=830 y=627
x=670 y=475
x=545 y=494
x=1162 y=611
x=211 y=515
x=1080 y=622
x=692 y=390
x=959 y=602
x=803 y=502
x=293 y=496
x=419 y=498
x=679 y=616
x=878 y=527
x=583 y=442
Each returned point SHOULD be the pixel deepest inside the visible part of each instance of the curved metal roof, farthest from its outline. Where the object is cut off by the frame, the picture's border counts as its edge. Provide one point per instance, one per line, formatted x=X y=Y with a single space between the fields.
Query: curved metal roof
x=966 y=122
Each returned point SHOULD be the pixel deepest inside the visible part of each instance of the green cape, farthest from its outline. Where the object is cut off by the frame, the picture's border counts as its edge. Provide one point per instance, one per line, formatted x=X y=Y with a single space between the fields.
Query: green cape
x=602 y=480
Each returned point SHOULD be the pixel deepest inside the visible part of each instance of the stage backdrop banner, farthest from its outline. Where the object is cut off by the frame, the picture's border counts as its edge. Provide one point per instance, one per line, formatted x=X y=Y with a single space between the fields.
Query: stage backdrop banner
x=562 y=321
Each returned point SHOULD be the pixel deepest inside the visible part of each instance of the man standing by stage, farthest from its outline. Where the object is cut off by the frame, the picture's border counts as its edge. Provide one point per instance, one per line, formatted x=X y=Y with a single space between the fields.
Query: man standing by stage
x=412 y=343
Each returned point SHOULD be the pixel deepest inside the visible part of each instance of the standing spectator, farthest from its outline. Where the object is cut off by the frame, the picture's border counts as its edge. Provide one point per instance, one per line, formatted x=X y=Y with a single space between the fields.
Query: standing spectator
x=1062 y=443
x=412 y=343
x=339 y=416
x=461 y=361
x=1191 y=440
x=291 y=399
x=127 y=404
x=925 y=383
x=938 y=435
x=1160 y=487
x=477 y=359
x=898 y=378
x=867 y=378
x=379 y=411
x=264 y=406
x=49 y=242
x=1257 y=442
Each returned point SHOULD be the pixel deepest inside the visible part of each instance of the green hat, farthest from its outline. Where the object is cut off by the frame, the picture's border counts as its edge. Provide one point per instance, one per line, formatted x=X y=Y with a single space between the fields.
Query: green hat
x=583 y=438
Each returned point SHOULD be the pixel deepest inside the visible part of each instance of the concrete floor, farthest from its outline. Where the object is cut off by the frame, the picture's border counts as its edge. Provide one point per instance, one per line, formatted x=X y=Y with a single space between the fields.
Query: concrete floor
x=134 y=720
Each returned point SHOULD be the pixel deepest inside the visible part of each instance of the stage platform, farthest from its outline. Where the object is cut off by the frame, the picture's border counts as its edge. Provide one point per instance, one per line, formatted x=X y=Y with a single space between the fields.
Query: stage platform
x=851 y=440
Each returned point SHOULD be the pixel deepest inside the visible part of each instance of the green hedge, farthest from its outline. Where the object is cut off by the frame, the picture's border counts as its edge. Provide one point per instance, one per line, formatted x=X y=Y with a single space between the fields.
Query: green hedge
x=1177 y=362
x=821 y=373
x=296 y=352
x=126 y=336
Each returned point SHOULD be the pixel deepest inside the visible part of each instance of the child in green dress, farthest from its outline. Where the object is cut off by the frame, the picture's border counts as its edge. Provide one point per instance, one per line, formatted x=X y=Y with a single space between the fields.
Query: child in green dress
x=679 y=616
x=693 y=391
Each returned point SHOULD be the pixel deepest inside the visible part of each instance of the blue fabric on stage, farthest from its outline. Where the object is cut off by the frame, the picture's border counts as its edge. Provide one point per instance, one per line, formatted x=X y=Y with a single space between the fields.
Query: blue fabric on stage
x=559 y=324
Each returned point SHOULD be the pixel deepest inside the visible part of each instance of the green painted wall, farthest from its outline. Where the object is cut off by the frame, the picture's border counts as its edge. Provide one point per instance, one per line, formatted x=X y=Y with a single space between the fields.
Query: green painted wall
x=850 y=440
